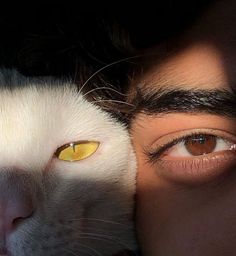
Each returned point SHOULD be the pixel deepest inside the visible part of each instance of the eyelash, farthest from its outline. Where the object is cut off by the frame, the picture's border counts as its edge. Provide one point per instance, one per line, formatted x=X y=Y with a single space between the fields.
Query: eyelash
x=154 y=155
x=193 y=169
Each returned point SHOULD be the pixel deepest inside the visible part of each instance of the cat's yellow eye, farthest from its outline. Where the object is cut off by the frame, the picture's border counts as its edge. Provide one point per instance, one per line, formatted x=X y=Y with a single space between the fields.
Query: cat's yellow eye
x=77 y=151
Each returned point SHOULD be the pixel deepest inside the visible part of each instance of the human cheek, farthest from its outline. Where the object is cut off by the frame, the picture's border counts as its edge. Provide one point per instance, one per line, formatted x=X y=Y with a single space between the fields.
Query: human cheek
x=182 y=220
x=200 y=224
x=184 y=211
x=153 y=204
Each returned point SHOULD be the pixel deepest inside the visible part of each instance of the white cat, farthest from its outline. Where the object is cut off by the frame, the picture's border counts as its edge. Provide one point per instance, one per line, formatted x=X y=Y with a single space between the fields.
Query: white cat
x=67 y=172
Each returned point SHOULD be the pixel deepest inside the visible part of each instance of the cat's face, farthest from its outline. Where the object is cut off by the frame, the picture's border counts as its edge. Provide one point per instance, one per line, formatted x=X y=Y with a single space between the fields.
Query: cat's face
x=49 y=206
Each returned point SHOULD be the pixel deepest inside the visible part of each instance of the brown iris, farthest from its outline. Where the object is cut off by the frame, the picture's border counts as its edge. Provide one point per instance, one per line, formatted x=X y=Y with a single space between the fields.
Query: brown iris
x=200 y=144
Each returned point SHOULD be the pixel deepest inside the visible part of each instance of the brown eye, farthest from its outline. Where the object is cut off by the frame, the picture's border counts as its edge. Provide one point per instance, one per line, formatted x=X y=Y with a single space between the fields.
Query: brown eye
x=201 y=144
x=195 y=157
x=197 y=145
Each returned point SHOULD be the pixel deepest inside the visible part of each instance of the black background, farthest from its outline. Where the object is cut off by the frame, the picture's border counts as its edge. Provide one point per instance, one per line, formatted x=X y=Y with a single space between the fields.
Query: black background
x=57 y=39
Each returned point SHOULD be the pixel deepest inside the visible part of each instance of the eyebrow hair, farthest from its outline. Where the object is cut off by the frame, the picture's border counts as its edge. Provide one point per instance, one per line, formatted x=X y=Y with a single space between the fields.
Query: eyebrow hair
x=166 y=100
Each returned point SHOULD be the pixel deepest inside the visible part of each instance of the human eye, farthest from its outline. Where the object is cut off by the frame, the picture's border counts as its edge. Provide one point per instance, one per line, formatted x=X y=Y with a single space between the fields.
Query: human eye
x=195 y=155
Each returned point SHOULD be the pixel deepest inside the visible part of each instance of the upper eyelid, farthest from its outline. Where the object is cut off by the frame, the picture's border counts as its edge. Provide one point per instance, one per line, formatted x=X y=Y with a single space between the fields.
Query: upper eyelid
x=184 y=133
x=154 y=154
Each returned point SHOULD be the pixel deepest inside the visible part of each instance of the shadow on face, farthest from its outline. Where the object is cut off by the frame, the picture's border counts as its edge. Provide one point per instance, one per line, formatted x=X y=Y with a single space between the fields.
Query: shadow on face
x=184 y=133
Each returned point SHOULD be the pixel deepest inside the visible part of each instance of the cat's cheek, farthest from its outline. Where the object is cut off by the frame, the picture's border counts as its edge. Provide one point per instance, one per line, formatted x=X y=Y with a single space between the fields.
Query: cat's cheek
x=72 y=170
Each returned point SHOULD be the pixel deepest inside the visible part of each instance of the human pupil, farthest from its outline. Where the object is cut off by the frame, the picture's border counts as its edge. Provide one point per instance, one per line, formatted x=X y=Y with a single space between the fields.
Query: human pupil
x=200 y=144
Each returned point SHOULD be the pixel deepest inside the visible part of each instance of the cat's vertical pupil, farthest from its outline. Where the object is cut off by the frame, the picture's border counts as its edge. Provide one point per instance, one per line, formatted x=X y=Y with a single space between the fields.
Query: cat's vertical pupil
x=77 y=151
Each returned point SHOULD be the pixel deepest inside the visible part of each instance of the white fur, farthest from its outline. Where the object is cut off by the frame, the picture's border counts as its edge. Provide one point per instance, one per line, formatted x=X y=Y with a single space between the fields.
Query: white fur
x=81 y=208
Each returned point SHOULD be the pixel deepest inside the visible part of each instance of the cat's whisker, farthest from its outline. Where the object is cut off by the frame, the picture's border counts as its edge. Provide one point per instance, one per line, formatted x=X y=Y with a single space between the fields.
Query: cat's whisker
x=90 y=248
x=76 y=70
x=71 y=252
x=84 y=246
x=59 y=120
x=113 y=101
x=30 y=237
x=97 y=236
x=105 y=67
x=94 y=236
x=101 y=230
x=104 y=88
x=67 y=250
x=101 y=220
x=84 y=252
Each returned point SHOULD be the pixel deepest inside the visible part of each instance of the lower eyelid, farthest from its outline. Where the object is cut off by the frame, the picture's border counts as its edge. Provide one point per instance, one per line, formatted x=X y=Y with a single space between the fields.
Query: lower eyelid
x=197 y=169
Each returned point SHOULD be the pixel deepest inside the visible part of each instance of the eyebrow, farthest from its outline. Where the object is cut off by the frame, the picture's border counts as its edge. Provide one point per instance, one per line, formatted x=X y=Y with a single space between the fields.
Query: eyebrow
x=165 y=101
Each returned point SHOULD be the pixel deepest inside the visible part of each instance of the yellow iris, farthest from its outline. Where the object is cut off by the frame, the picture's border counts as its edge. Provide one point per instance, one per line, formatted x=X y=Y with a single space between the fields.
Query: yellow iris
x=77 y=151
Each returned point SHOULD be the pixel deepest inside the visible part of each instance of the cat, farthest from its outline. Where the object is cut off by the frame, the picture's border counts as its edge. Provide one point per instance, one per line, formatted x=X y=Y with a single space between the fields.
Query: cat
x=67 y=172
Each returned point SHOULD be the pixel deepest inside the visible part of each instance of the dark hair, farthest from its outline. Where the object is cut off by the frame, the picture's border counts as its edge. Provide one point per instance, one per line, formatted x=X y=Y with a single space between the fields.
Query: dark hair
x=64 y=40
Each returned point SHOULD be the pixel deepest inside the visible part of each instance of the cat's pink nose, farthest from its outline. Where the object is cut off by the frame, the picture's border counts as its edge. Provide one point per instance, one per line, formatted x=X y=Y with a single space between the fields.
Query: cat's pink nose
x=13 y=212
x=16 y=200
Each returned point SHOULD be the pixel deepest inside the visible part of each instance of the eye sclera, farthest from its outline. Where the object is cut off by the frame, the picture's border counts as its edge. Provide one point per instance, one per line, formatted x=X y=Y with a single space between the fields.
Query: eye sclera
x=165 y=142
x=198 y=146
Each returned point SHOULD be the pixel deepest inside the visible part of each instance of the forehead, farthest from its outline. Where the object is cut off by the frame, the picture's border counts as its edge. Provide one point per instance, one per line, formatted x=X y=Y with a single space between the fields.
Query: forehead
x=200 y=65
x=203 y=56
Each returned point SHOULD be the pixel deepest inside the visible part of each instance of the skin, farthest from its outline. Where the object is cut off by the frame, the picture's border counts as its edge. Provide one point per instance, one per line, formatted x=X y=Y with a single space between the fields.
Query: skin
x=195 y=215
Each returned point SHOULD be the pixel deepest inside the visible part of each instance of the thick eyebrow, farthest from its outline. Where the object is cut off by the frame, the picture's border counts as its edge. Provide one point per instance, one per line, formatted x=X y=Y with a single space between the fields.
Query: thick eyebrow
x=164 y=101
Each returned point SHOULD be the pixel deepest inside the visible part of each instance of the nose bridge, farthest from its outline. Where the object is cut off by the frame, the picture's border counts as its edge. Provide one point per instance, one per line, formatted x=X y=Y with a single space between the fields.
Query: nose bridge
x=15 y=184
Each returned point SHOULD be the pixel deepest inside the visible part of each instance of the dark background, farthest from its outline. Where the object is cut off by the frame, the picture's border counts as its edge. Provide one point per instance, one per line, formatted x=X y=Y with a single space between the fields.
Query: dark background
x=62 y=39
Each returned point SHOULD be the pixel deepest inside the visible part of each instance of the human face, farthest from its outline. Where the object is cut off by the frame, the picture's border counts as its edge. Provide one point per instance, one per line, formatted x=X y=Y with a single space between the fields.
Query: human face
x=184 y=135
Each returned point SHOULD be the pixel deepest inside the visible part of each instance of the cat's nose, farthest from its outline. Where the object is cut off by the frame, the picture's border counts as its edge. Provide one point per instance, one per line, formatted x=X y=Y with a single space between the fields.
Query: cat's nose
x=16 y=200
x=12 y=212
